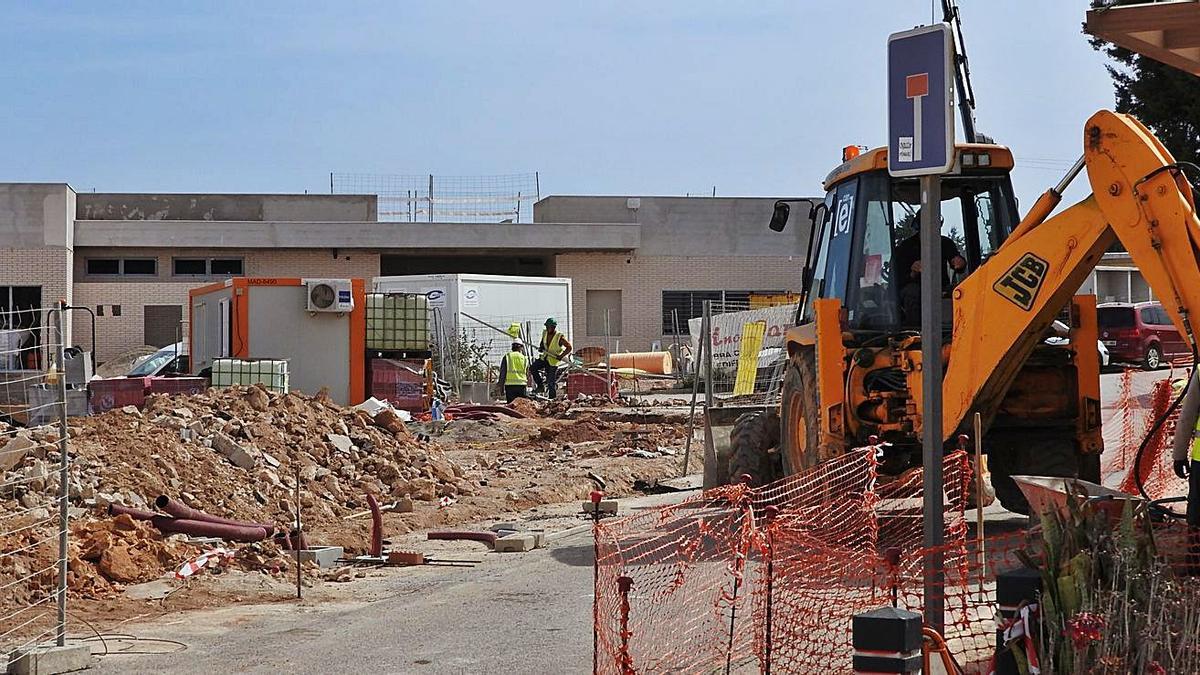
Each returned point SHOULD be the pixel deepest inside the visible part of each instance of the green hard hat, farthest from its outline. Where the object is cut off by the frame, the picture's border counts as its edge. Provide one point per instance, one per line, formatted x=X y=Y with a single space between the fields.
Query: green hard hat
x=551 y=322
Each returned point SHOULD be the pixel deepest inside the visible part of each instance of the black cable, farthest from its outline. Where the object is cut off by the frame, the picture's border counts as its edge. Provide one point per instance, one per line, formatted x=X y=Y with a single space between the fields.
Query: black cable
x=1157 y=426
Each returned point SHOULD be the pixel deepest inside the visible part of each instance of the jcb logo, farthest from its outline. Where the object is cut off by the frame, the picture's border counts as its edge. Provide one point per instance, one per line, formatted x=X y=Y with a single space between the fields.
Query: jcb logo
x=1020 y=284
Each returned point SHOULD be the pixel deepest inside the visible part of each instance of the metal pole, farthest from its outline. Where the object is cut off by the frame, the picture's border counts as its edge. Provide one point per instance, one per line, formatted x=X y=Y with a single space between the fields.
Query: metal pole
x=63 y=463
x=710 y=449
x=687 y=448
x=932 y=271
x=431 y=198
x=979 y=495
x=299 y=537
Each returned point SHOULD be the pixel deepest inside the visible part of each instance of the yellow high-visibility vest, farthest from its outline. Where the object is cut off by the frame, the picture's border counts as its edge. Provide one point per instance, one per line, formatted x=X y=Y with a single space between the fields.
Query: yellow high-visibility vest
x=553 y=347
x=1196 y=442
x=515 y=370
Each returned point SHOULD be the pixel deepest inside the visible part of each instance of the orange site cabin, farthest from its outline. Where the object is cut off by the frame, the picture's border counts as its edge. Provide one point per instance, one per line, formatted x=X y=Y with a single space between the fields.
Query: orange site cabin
x=317 y=325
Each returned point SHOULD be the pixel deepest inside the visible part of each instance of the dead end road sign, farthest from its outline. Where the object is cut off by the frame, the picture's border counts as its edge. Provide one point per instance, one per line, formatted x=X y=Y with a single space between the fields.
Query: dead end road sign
x=920 y=84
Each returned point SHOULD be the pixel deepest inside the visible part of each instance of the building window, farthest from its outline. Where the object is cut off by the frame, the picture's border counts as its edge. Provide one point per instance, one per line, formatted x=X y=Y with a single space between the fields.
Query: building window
x=113 y=267
x=680 y=306
x=189 y=267
x=225 y=267
x=105 y=266
x=207 y=267
x=603 y=309
x=141 y=267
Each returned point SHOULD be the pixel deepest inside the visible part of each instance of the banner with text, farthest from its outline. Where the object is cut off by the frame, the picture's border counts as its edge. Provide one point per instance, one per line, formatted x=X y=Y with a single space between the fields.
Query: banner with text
x=726 y=337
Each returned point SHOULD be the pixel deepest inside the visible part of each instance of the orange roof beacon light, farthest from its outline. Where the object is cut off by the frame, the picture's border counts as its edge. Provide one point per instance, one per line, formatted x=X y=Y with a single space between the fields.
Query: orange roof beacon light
x=850 y=152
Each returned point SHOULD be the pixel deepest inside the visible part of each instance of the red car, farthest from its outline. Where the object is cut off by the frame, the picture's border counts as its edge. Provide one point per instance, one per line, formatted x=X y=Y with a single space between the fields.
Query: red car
x=1140 y=332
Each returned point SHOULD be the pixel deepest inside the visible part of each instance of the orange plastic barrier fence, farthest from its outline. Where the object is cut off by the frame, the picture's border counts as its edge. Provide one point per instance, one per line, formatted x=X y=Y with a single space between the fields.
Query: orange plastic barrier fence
x=741 y=578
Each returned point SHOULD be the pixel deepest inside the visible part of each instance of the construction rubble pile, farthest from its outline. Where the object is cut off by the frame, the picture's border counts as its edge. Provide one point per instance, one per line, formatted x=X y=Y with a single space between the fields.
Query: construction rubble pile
x=140 y=479
x=232 y=452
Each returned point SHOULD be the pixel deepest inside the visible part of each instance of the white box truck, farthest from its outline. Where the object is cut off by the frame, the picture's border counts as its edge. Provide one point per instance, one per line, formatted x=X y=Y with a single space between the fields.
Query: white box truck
x=465 y=302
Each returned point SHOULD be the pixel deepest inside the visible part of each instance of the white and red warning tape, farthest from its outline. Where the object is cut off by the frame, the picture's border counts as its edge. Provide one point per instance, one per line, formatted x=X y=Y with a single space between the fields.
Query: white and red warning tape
x=210 y=557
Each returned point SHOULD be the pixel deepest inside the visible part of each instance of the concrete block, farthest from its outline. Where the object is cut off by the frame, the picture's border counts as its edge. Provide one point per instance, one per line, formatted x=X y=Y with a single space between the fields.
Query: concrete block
x=607 y=507
x=515 y=543
x=324 y=556
x=50 y=660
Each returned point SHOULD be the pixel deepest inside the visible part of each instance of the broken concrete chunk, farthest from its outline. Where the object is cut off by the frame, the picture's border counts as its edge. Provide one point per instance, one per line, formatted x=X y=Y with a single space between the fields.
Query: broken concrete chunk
x=236 y=454
x=182 y=412
x=515 y=543
x=607 y=506
x=131 y=410
x=14 y=451
x=340 y=441
x=258 y=399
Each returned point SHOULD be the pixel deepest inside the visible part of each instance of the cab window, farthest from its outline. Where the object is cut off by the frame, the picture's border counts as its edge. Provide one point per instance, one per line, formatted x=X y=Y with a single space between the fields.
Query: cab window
x=872 y=298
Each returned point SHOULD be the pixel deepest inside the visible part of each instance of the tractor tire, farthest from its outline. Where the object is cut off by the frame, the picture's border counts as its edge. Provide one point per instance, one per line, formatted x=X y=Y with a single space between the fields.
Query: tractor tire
x=1049 y=456
x=800 y=413
x=753 y=437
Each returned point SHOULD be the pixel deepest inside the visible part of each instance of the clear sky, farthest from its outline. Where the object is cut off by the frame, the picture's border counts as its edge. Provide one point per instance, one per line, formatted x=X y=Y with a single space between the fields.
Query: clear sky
x=652 y=97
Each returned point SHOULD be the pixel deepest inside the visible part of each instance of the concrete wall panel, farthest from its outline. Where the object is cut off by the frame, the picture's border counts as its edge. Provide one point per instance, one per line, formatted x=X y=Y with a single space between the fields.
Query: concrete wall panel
x=317 y=346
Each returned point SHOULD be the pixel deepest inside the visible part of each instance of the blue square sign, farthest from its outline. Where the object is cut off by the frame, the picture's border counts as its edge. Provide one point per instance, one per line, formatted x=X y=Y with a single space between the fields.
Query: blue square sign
x=920 y=82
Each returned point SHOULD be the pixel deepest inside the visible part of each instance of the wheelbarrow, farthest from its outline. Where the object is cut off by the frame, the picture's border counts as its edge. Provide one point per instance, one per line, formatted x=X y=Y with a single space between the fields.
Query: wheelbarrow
x=1050 y=493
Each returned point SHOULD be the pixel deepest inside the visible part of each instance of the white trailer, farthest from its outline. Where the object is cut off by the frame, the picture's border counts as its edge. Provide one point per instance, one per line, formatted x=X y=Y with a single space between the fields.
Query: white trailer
x=466 y=302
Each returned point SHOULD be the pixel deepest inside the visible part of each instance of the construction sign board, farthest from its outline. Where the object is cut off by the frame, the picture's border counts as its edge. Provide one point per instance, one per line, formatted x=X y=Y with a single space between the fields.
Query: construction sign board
x=920 y=83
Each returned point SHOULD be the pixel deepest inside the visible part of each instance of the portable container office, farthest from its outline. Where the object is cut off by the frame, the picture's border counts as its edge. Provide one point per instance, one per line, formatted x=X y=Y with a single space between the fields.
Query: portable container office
x=468 y=302
x=316 y=325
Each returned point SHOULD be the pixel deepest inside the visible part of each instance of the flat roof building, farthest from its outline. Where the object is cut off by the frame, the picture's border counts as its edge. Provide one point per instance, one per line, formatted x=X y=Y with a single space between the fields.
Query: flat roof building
x=132 y=258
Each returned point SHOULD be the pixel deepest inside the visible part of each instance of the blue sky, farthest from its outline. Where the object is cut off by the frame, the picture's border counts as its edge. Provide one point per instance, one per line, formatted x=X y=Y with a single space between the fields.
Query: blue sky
x=657 y=97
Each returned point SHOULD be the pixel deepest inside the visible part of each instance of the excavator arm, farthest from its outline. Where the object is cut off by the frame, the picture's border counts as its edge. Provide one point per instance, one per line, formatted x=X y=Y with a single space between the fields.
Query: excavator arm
x=1004 y=308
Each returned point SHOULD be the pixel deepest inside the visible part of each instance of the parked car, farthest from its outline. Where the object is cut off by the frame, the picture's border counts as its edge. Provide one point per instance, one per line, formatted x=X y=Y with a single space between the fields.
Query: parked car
x=170 y=361
x=1140 y=333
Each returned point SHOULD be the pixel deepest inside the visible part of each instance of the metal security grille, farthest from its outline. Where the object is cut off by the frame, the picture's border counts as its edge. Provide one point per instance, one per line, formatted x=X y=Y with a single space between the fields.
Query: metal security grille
x=445 y=199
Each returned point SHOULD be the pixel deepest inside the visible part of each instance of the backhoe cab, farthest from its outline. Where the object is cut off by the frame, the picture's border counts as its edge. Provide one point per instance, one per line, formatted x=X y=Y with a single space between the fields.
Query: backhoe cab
x=854 y=375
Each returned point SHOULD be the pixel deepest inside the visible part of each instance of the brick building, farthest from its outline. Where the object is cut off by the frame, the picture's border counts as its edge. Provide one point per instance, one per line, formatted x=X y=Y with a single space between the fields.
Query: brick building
x=131 y=258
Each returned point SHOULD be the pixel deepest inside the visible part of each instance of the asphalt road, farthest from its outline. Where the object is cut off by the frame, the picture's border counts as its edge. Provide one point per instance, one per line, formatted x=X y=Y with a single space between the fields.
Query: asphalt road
x=529 y=613
x=513 y=613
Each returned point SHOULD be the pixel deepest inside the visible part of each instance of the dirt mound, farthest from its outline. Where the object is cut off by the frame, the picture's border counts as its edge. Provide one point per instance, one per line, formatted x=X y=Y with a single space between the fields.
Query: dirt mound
x=237 y=453
x=525 y=407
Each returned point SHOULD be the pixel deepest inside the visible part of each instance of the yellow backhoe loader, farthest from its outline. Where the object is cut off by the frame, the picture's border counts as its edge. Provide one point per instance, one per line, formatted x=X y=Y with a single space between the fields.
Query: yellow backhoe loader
x=854 y=371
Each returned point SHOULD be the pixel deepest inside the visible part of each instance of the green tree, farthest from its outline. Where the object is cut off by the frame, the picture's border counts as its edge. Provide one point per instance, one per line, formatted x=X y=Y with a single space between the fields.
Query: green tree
x=1164 y=98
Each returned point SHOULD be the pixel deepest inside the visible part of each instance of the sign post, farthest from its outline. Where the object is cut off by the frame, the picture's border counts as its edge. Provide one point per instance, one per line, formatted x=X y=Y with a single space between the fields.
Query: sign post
x=921 y=143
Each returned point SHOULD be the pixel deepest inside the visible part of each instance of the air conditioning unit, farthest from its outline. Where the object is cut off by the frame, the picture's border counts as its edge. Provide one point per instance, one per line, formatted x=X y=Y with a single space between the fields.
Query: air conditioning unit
x=329 y=295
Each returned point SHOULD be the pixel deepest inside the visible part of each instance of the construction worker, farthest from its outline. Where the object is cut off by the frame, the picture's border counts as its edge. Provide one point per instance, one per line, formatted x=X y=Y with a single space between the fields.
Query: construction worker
x=514 y=373
x=553 y=349
x=1186 y=450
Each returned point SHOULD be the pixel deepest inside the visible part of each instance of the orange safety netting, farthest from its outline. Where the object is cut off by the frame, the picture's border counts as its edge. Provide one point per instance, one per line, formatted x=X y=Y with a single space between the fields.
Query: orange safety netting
x=741 y=577
x=1131 y=419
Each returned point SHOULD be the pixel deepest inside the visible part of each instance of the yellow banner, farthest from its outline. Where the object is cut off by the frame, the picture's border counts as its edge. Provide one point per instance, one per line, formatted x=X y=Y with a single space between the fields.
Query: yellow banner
x=750 y=346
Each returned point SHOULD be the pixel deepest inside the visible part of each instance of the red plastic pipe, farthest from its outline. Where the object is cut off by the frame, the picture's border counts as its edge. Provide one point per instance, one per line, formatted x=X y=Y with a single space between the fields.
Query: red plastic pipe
x=178 y=509
x=376 y=527
x=203 y=528
x=136 y=514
